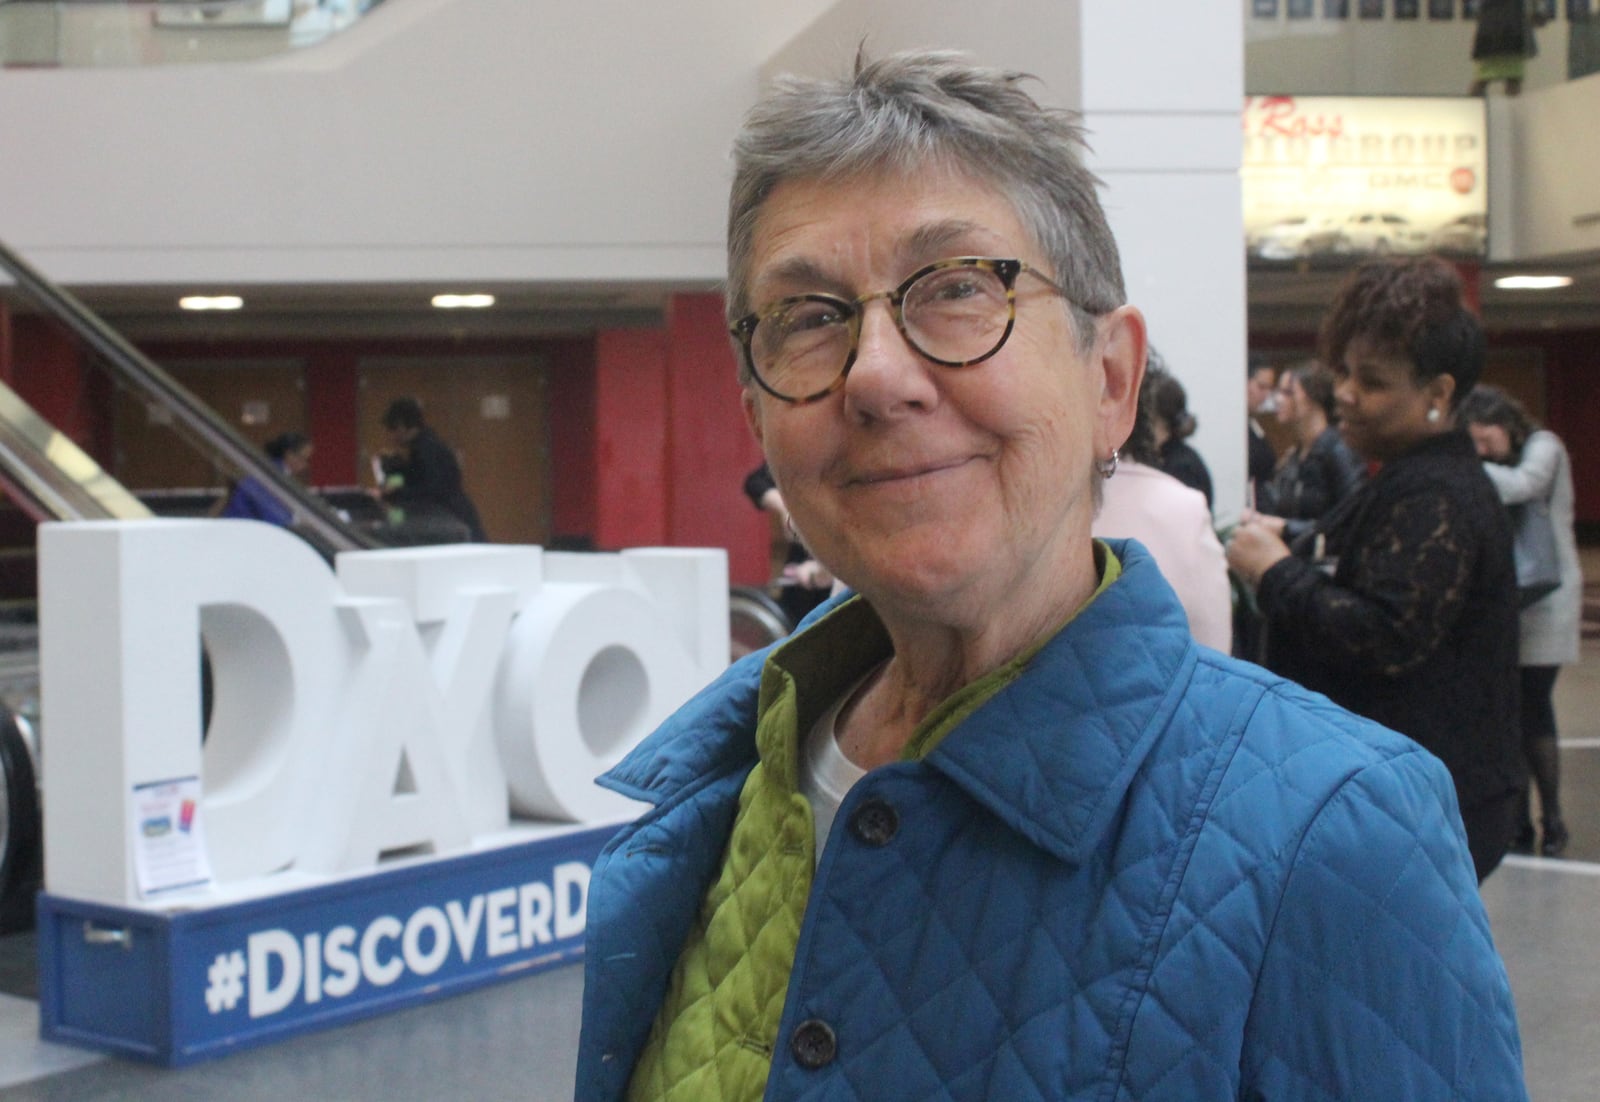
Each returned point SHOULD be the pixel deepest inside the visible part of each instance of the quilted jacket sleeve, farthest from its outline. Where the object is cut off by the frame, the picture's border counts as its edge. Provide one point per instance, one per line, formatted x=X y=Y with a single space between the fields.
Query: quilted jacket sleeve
x=1380 y=979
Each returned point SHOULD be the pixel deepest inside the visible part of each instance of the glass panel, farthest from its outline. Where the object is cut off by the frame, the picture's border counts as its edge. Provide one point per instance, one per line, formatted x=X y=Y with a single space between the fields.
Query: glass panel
x=120 y=33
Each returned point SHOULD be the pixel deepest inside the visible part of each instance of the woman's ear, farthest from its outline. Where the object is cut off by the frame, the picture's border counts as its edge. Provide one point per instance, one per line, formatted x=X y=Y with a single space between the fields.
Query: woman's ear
x=1441 y=390
x=1121 y=350
x=750 y=402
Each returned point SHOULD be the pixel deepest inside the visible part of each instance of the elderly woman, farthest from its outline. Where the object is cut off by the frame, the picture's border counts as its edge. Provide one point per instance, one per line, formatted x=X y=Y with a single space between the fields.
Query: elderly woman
x=993 y=826
x=1527 y=463
x=1404 y=606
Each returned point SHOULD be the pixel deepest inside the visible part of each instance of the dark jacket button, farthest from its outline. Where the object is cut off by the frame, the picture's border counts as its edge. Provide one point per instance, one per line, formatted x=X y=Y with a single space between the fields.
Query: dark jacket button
x=813 y=1044
x=875 y=822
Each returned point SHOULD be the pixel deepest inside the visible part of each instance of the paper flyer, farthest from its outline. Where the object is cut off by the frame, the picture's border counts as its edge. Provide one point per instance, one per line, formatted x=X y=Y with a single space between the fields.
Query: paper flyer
x=168 y=844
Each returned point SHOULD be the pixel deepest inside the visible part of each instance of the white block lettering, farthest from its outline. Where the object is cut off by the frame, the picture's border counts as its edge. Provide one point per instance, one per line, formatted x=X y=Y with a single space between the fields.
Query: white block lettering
x=265 y=947
x=572 y=883
x=426 y=920
x=345 y=969
x=533 y=911
x=465 y=925
x=500 y=935
x=376 y=972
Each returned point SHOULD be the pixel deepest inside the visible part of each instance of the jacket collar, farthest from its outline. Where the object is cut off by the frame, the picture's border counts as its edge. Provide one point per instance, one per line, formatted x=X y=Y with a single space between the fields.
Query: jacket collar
x=1051 y=754
x=1054 y=752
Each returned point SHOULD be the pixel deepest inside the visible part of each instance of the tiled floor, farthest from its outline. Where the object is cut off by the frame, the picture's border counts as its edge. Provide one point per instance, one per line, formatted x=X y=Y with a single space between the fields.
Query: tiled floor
x=518 y=1038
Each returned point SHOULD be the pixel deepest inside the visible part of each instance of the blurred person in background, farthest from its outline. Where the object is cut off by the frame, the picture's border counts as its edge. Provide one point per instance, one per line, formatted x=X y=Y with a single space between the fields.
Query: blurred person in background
x=250 y=499
x=803 y=583
x=1502 y=43
x=1145 y=503
x=1401 y=604
x=1261 y=460
x=422 y=483
x=1527 y=464
x=1173 y=424
x=993 y=826
x=1318 y=470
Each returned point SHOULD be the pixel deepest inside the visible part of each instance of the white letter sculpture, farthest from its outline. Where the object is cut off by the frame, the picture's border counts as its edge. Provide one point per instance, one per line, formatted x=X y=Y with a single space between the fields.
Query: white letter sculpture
x=412 y=705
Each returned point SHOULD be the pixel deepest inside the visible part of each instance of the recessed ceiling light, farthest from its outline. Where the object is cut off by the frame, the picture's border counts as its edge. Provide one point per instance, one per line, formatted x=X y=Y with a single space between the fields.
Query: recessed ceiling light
x=1532 y=282
x=463 y=302
x=211 y=302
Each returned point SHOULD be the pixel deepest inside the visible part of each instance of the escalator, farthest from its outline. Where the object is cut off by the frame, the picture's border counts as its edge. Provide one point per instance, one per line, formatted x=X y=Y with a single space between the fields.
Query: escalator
x=47 y=476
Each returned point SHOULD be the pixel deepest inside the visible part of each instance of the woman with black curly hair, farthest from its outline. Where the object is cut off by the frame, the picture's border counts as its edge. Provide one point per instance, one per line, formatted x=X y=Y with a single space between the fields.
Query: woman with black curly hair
x=1401 y=604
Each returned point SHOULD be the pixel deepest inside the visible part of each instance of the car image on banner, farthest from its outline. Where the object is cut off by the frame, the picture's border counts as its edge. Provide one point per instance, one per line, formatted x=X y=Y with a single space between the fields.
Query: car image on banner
x=1464 y=236
x=1297 y=238
x=1380 y=234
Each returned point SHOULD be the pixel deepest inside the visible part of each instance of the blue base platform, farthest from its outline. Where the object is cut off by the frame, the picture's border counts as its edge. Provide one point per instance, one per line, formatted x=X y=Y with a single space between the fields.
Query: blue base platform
x=177 y=988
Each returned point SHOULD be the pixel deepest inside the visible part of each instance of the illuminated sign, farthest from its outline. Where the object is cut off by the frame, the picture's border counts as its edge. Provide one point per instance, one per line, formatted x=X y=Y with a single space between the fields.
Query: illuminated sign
x=1328 y=177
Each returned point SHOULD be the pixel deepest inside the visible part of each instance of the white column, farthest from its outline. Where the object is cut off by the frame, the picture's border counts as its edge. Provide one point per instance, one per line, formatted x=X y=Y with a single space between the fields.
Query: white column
x=1161 y=89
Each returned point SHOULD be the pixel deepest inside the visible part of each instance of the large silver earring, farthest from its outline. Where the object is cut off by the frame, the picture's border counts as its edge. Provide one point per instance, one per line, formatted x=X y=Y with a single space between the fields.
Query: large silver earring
x=1108 y=467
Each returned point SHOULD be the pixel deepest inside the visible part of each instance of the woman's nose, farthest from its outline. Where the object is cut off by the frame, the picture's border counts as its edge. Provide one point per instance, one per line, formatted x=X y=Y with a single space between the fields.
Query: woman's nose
x=889 y=377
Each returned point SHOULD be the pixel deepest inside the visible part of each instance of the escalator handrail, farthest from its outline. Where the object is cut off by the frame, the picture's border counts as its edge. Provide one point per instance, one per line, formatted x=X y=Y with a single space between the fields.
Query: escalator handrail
x=142 y=374
x=31 y=450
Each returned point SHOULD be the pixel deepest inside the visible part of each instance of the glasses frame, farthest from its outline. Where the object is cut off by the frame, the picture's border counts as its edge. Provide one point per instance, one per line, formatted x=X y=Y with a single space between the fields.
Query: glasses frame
x=1007 y=268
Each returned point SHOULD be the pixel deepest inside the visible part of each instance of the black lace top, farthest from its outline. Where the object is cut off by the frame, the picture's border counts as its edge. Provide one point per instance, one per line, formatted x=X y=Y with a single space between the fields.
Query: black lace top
x=1411 y=616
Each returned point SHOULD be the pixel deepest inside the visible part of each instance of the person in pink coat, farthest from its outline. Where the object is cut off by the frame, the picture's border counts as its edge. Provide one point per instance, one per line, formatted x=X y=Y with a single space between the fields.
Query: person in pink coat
x=1172 y=520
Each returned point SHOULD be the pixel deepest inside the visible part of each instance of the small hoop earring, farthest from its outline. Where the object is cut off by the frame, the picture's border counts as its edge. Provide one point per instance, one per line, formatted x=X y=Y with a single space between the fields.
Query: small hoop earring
x=1108 y=467
x=1434 y=414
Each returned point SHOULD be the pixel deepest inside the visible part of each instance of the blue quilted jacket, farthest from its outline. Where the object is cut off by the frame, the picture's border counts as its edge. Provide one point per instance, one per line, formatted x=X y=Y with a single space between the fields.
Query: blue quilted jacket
x=1142 y=870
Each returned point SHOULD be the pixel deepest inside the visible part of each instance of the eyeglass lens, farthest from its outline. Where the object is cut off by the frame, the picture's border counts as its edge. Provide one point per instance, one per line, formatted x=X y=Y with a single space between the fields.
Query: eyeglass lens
x=952 y=315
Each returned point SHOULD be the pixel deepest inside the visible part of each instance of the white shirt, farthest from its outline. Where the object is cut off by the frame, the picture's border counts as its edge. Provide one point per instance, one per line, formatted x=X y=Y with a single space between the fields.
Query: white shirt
x=825 y=773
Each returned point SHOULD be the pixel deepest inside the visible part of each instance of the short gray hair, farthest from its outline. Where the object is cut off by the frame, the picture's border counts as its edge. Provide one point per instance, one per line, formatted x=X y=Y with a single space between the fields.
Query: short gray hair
x=924 y=109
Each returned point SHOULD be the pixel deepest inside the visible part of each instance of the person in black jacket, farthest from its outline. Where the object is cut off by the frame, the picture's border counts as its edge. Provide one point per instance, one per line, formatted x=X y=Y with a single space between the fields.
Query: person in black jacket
x=1260 y=379
x=804 y=583
x=1401 y=604
x=1502 y=45
x=1173 y=424
x=422 y=480
x=1319 y=470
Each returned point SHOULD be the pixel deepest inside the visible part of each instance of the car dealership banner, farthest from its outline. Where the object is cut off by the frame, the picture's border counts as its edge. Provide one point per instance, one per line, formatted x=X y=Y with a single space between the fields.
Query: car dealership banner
x=1328 y=177
x=383 y=792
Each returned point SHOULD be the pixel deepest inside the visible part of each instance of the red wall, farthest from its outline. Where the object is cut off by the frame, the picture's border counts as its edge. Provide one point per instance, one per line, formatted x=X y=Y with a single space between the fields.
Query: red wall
x=632 y=478
x=648 y=444
x=332 y=415
x=671 y=449
x=709 y=446
x=1572 y=379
